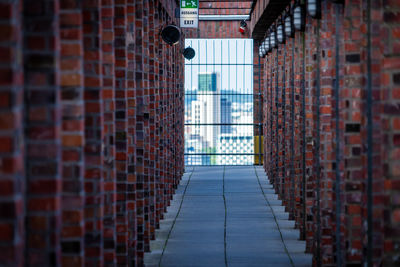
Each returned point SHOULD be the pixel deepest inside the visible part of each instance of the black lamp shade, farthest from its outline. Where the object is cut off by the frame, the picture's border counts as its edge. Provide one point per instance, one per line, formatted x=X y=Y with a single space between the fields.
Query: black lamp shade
x=171 y=34
x=299 y=16
x=314 y=8
x=267 y=44
x=289 y=28
x=263 y=52
x=273 y=39
x=280 y=34
x=189 y=53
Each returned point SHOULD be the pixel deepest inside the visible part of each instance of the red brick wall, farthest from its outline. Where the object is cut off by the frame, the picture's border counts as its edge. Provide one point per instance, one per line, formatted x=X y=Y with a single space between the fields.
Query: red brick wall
x=329 y=182
x=12 y=151
x=385 y=63
x=43 y=137
x=94 y=134
x=72 y=132
x=218 y=29
x=91 y=129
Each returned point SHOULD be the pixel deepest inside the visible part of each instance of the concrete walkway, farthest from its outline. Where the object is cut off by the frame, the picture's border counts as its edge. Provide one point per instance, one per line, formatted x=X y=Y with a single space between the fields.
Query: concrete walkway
x=226 y=216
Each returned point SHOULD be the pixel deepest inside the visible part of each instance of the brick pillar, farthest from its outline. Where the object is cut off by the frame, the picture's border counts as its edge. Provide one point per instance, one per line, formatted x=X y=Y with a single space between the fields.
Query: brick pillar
x=146 y=124
x=121 y=128
x=153 y=92
x=72 y=134
x=161 y=118
x=157 y=115
x=299 y=137
x=286 y=131
x=167 y=132
x=43 y=128
x=352 y=117
x=12 y=171
x=314 y=87
x=180 y=113
x=283 y=153
x=268 y=118
x=280 y=153
x=273 y=117
x=139 y=131
x=169 y=112
x=108 y=95
x=163 y=126
x=386 y=58
x=94 y=133
x=266 y=111
x=289 y=129
x=131 y=135
x=308 y=116
x=327 y=129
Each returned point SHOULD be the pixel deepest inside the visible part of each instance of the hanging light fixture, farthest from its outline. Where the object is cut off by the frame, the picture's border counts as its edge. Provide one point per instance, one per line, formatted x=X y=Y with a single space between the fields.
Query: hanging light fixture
x=289 y=29
x=188 y=53
x=280 y=33
x=265 y=48
x=262 y=50
x=243 y=26
x=260 y=53
x=267 y=44
x=299 y=16
x=273 y=40
x=171 y=34
x=314 y=8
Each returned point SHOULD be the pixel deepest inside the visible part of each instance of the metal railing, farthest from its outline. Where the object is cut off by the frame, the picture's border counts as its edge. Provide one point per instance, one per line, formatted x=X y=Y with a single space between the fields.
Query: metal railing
x=219 y=103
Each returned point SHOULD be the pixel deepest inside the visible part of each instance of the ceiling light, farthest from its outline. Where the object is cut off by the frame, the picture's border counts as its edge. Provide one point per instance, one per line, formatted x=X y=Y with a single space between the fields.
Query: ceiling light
x=171 y=34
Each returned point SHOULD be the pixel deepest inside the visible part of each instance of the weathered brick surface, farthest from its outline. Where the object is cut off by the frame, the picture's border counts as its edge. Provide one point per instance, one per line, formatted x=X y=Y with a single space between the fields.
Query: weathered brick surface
x=94 y=134
x=91 y=130
x=332 y=156
x=72 y=133
x=12 y=152
x=42 y=122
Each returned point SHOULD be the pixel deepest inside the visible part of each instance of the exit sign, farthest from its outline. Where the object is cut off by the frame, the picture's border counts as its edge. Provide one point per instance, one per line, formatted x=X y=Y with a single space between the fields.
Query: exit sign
x=189 y=13
x=189 y=3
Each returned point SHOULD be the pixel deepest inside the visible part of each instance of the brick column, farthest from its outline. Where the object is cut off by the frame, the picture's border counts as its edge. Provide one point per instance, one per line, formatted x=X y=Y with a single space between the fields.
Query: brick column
x=308 y=116
x=157 y=115
x=289 y=128
x=131 y=135
x=386 y=35
x=153 y=92
x=273 y=117
x=43 y=128
x=286 y=131
x=94 y=133
x=121 y=128
x=277 y=120
x=108 y=95
x=146 y=124
x=12 y=152
x=72 y=134
x=299 y=135
x=327 y=129
x=139 y=131
x=352 y=117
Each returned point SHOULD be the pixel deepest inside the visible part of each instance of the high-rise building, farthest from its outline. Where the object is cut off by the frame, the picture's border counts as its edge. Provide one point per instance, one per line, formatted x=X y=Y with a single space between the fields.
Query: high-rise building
x=208 y=106
x=226 y=116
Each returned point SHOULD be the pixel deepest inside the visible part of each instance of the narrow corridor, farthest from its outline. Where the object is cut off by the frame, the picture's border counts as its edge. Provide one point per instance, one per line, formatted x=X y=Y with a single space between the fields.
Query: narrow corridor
x=226 y=216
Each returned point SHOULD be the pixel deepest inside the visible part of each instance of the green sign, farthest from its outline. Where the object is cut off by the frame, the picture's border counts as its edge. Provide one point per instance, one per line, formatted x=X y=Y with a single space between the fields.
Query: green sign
x=189 y=3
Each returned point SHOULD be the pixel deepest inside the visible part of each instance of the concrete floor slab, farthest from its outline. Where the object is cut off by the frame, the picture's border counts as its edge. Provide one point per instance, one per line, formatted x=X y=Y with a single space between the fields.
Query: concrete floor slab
x=227 y=213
